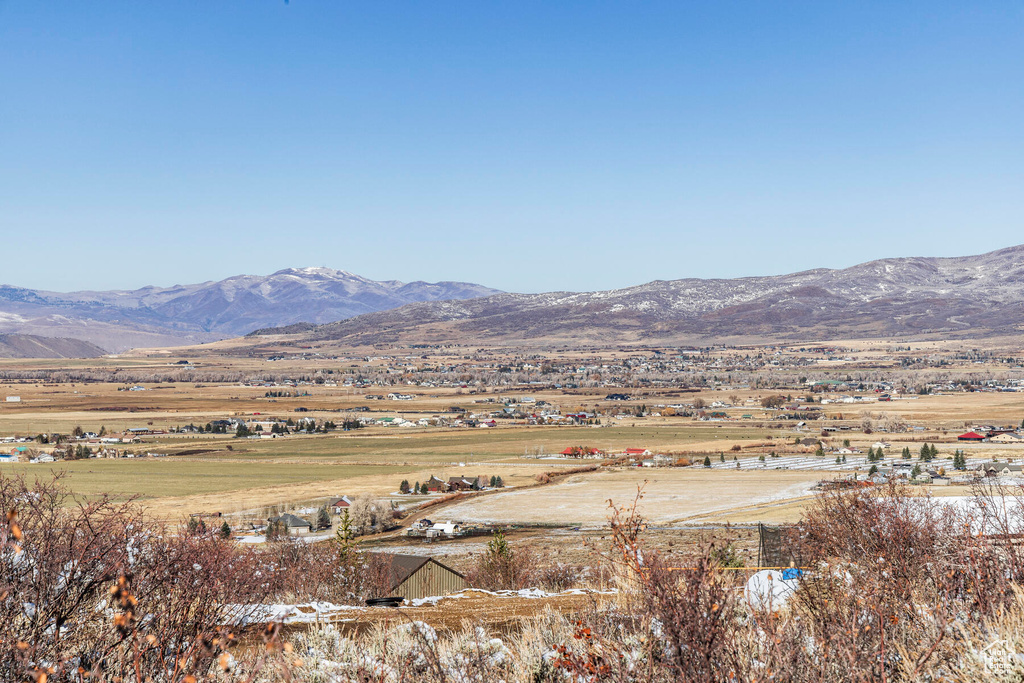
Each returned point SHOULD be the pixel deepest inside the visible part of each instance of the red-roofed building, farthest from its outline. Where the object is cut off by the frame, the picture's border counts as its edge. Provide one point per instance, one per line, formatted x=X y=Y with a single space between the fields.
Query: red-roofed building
x=637 y=451
x=971 y=436
x=581 y=452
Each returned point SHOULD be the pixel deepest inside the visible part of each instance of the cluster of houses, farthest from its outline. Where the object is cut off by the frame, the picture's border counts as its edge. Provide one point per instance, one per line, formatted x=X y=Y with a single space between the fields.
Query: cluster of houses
x=991 y=434
x=24 y=454
x=939 y=476
x=641 y=457
x=35 y=455
x=425 y=528
x=436 y=485
x=294 y=525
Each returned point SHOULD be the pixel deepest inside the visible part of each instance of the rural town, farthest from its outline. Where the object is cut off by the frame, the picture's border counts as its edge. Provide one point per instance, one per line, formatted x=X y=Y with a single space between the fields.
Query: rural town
x=511 y=343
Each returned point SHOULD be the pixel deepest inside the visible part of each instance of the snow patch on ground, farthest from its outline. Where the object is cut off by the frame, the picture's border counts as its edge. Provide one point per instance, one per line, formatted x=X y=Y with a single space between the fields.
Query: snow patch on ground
x=303 y=613
x=522 y=593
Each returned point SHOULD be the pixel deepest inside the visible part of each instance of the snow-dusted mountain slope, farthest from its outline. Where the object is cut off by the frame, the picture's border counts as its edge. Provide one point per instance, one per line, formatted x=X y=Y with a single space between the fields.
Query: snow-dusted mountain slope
x=212 y=310
x=890 y=296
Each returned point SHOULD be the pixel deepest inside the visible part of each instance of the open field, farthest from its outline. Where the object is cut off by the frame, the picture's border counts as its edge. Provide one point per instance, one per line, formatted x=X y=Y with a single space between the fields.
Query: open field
x=669 y=496
x=151 y=478
x=209 y=473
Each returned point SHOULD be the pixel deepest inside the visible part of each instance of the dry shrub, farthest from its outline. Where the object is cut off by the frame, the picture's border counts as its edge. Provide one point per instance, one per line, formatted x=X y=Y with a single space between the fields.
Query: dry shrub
x=440 y=500
x=559 y=577
x=501 y=567
x=897 y=588
x=573 y=470
x=92 y=589
x=328 y=572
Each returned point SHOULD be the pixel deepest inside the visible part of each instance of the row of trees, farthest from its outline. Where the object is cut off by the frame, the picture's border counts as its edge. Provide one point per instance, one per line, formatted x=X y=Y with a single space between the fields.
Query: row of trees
x=307 y=426
x=495 y=482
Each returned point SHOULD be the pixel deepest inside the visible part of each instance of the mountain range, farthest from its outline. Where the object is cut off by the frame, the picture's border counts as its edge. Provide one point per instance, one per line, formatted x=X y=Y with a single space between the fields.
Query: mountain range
x=186 y=314
x=962 y=296
x=971 y=295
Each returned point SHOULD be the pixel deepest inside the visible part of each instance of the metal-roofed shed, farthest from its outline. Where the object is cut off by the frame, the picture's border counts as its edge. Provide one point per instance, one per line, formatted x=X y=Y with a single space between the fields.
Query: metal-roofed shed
x=416 y=576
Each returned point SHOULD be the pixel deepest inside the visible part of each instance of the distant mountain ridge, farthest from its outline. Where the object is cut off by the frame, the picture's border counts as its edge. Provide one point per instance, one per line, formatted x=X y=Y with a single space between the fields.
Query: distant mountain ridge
x=972 y=294
x=29 y=346
x=184 y=314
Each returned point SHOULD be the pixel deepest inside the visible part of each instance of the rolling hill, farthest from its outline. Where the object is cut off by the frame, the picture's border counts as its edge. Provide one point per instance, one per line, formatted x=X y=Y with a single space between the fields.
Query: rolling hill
x=953 y=296
x=29 y=346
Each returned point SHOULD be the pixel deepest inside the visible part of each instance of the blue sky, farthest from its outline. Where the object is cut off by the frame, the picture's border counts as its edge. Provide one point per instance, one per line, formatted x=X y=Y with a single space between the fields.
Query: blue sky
x=529 y=146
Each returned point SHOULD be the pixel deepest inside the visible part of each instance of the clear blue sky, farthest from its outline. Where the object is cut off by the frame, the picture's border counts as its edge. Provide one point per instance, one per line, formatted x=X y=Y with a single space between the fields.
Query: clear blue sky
x=528 y=146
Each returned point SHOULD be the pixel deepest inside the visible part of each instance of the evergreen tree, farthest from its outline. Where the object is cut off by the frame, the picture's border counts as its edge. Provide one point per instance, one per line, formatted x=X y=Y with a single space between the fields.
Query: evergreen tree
x=926 y=453
x=906 y=453
x=404 y=486
x=707 y=461
x=498 y=483
x=416 y=489
x=959 y=460
x=873 y=471
x=225 y=530
x=344 y=536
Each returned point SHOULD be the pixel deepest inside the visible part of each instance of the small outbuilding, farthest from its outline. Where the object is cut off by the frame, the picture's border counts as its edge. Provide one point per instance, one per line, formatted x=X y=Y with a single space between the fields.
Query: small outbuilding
x=416 y=576
x=971 y=436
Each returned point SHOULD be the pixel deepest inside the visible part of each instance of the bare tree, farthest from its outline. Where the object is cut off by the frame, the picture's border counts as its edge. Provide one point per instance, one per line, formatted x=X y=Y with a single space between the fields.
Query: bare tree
x=370 y=515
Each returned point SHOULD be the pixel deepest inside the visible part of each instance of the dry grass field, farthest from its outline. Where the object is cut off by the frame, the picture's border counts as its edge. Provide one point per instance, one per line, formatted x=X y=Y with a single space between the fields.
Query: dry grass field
x=670 y=495
x=207 y=473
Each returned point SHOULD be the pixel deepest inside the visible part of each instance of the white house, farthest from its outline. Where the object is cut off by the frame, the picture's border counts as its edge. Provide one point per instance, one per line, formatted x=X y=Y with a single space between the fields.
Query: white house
x=444 y=529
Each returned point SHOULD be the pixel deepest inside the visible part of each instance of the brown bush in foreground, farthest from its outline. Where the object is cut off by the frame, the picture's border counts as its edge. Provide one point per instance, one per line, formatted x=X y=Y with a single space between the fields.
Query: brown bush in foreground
x=501 y=567
x=896 y=588
x=89 y=588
